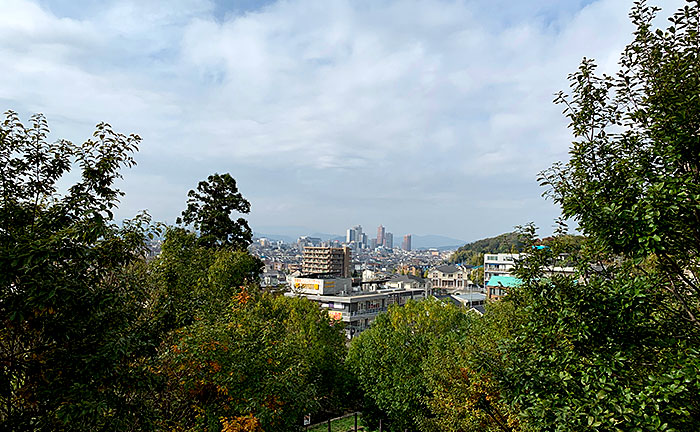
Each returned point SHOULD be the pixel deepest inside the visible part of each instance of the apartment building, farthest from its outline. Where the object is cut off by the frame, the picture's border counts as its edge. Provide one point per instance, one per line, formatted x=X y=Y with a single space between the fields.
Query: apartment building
x=357 y=309
x=498 y=273
x=327 y=261
x=500 y=264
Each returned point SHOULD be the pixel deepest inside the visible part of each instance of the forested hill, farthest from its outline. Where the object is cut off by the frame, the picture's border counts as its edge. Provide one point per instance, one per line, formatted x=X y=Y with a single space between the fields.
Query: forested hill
x=506 y=242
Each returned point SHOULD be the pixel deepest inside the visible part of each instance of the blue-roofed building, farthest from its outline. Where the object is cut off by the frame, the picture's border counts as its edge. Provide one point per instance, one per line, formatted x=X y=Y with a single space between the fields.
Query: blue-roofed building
x=497 y=286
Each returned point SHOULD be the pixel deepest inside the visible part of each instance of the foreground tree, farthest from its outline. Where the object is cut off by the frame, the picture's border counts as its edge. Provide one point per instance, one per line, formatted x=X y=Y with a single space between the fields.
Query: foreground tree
x=196 y=281
x=617 y=347
x=633 y=181
x=72 y=299
x=266 y=362
x=388 y=360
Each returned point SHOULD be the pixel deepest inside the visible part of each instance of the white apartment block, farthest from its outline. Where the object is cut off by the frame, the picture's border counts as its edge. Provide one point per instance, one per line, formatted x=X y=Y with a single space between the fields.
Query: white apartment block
x=500 y=264
x=356 y=308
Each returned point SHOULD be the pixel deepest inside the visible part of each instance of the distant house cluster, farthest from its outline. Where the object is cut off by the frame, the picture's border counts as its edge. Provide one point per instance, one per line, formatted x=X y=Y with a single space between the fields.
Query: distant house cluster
x=355 y=293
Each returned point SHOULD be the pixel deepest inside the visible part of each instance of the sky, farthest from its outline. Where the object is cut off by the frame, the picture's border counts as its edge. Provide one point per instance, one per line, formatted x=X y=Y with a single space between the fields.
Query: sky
x=428 y=117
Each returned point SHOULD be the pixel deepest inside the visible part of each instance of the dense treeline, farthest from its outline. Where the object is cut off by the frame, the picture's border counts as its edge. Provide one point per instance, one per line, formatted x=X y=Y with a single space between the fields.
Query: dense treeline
x=504 y=243
x=97 y=337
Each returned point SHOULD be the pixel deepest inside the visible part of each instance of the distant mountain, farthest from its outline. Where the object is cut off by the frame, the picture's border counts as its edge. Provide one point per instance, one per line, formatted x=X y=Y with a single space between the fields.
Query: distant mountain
x=326 y=237
x=432 y=241
x=290 y=239
x=289 y=231
x=276 y=237
x=473 y=252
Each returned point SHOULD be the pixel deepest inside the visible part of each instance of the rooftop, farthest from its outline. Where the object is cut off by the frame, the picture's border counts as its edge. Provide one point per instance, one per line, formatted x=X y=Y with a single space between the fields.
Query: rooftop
x=448 y=268
x=504 y=281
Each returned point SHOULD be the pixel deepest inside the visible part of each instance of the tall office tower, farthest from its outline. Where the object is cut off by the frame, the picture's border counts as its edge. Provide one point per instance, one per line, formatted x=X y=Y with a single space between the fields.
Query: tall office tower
x=327 y=260
x=389 y=240
x=406 y=242
x=358 y=234
x=380 y=235
x=349 y=235
x=373 y=244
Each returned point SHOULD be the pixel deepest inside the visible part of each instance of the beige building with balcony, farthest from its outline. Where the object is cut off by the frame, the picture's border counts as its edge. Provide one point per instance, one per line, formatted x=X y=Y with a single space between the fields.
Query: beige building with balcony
x=449 y=277
x=327 y=261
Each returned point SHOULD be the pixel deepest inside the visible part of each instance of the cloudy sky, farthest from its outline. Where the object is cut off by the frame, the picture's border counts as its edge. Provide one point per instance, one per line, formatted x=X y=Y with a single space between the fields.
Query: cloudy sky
x=429 y=117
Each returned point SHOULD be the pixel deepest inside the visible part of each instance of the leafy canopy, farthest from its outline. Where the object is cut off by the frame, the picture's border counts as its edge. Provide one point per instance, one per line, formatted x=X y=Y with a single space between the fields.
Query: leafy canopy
x=633 y=180
x=209 y=210
x=71 y=300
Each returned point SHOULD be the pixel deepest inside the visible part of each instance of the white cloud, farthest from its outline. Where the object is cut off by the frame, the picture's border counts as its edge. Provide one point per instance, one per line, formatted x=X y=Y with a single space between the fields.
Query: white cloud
x=329 y=101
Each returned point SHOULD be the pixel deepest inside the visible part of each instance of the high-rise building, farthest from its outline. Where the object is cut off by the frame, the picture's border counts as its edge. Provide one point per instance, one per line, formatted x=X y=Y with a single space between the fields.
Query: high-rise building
x=358 y=234
x=406 y=242
x=380 y=235
x=389 y=240
x=350 y=235
x=327 y=261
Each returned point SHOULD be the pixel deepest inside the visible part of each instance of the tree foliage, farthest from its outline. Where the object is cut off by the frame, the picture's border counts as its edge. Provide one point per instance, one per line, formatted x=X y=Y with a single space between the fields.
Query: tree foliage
x=72 y=302
x=633 y=180
x=473 y=253
x=193 y=280
x=270 y=358
x=209 y=210
x=388 y=359
x=616 y=348
x=462 y=375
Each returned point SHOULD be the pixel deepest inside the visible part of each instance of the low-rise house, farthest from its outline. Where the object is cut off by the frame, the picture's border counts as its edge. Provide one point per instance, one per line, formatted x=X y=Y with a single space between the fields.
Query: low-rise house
x=449 y=277
x=273 y=278
x=409 y=282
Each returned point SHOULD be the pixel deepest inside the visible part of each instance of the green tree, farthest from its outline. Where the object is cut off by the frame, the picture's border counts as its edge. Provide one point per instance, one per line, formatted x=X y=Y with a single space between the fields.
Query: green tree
x=389 y=357
x=597 y=353
x=633 y=179
x=271 y=358
x=462 y=375
x=74 y=324
x=209 y=210
x=193 y=280
x=617 y=347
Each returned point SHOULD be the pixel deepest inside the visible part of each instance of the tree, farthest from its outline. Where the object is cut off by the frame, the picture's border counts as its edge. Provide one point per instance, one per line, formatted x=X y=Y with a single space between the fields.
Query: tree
x=616 y=348
x=209 y=210
x=633 y=180
x=465 y=393
x=596 y=353
x=196 y=281
x=389 y=357
x=270 y=359
x=72 y=309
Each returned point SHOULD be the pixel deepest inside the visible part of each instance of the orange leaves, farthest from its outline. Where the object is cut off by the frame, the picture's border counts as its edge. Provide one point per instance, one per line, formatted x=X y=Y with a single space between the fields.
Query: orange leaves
x=242 y=297
x=246 y=423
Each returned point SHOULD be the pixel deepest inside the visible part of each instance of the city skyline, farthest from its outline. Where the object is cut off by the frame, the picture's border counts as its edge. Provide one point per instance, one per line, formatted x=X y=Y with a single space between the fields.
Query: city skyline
x=434 y=117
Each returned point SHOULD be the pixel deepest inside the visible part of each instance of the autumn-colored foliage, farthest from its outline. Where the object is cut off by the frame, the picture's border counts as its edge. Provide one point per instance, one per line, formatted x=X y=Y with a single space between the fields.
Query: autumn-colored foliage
x=247 y=423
